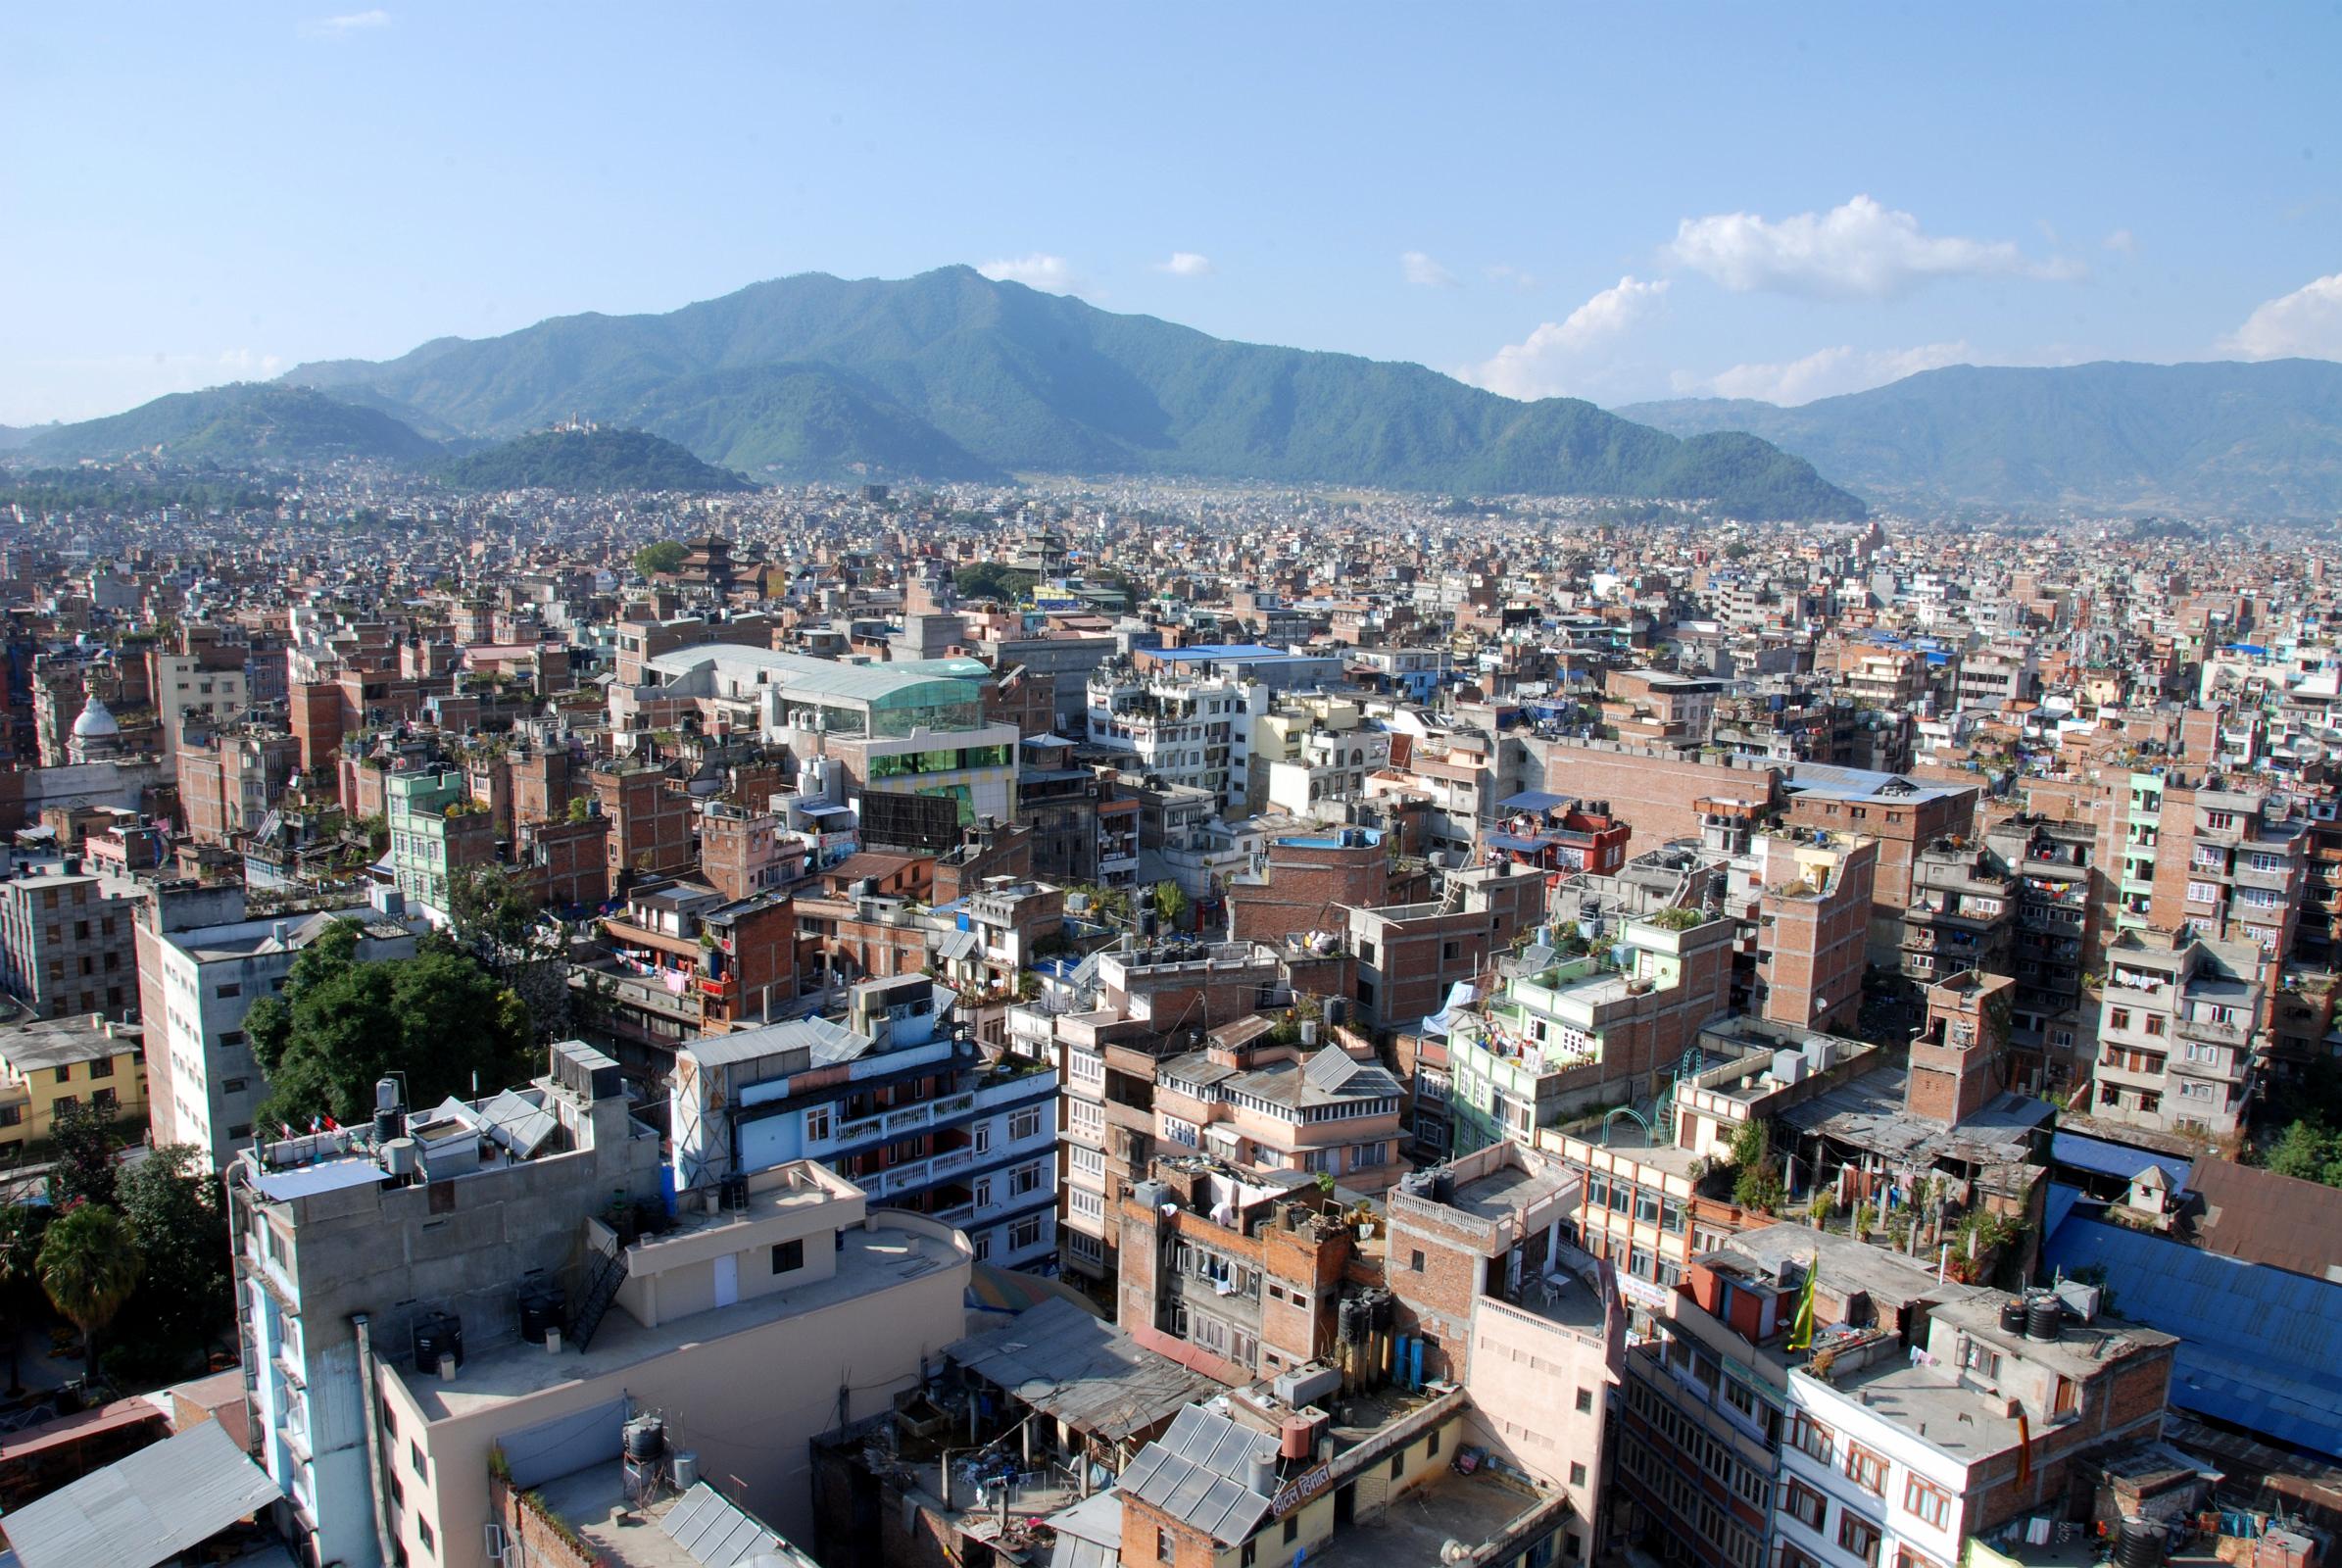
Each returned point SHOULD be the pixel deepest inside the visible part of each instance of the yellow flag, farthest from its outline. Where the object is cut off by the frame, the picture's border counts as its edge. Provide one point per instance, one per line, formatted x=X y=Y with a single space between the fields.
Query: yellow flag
x=1801 y=1326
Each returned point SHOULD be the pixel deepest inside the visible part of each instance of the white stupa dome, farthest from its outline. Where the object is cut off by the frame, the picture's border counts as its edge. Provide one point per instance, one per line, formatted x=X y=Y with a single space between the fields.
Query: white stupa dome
x=96 y=722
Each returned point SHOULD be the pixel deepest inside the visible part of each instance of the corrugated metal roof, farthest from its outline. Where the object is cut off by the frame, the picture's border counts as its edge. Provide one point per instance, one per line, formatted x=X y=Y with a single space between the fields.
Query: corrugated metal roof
x=144 y=1509
x=2102 y=1159
x=2259 y=1347
x=1088 y=1374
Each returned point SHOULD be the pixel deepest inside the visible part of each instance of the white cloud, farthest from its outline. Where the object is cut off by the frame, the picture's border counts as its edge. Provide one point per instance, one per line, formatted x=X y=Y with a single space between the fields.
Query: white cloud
x=1052 y=275
x=1506 y=273
x=1421 y=270
x=2123 y=240
x=1186 y=264
x=342 y=26
x=2306 y=323
x=1861 y=250
x=1554 y=357
x=1823 y=373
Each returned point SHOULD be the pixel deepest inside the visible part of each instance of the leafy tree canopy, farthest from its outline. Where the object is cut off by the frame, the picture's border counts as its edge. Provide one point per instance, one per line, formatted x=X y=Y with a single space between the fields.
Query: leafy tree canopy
x=655 y=560
x=989 y=579
x=438 y=1018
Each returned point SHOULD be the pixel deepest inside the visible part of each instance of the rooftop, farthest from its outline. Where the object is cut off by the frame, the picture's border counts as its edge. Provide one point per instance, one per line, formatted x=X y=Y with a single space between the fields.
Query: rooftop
x=695 y=1529
x=872 y=1259
x=60 y=1042
x=1478 y=1509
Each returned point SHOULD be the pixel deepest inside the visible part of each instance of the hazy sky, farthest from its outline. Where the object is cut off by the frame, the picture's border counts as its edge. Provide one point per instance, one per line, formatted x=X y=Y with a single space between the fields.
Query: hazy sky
x=1617 y=203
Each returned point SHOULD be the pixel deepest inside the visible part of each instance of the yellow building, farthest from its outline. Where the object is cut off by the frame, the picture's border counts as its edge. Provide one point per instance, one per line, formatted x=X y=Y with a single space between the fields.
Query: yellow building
x=51 y=1064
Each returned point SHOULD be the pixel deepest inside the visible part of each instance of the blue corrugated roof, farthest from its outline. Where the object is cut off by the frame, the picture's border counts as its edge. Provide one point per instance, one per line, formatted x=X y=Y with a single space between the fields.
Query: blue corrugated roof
x=2261 y=1348
x=1533 y=801
x=2102 y=1159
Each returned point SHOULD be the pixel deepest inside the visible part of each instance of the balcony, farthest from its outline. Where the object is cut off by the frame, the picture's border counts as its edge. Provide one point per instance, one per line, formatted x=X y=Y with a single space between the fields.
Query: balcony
x=2210 y=1031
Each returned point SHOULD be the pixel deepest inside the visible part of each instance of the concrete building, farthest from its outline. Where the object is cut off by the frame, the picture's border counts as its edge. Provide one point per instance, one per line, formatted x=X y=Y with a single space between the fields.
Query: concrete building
x=1901 y=813
x=1180 y=727
x=48 y=1065
x=201 y=966
x=65 y=940
x=1266 y=1104
x=2177 y=1027
x=436 y=834
x=1813 y=921
x=1409 y=954
x=891 y=1100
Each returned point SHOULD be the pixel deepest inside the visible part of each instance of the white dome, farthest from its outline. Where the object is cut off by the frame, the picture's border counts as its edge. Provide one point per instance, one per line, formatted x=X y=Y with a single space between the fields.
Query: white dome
x=96 y=722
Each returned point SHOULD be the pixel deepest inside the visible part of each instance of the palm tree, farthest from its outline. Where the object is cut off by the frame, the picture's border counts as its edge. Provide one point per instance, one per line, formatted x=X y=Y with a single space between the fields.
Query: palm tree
x=89 y=1264
x=20 y=1266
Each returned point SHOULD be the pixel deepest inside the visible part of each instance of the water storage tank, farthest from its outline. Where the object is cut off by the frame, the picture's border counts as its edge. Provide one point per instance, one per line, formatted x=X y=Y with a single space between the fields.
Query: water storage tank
x=389 y=1124
x=2138 y=1543
x=646 y=1439
x=402 y=1157
x=438 y=1335
x=1297 y=1435
x=687 y=1468
x=1260 y=1471
x=386 y=1094
x=540 y=1313
x=2012 y=1315
x=2043 y=1317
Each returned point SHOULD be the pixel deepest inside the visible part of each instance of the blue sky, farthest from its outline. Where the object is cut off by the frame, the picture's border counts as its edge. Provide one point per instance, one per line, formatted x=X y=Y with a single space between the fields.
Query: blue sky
x=1615 y=203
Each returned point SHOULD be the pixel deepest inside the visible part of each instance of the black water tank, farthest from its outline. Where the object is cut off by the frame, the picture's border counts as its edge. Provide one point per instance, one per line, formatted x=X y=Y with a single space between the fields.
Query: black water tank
x=437 y=1334
x=2012 y=1315
x=2138 y=1545
x=2044 y=1318
x=389 y=1124
x=646 y=1439
x=540 y=1313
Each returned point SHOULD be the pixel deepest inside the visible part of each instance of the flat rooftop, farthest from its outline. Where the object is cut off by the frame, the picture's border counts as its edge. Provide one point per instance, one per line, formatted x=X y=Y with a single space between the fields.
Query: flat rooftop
x=1475 y=1509
x=871 y=1260
x=662 y=1534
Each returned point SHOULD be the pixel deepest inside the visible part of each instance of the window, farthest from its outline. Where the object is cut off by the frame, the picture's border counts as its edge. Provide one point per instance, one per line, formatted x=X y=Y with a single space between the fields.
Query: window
x=1292 y=1528
x=981 y=1137
x=65 y=1074
x=1162 y=1543
x=1024 y=1124
x=1025 y=1233
x=423 y=1531
x=1415 y=1259
x=1926 y=1502
x=1577 y=1474
x=1398 y=1465
x=2118 y=1018
x=1858 y=1535
x=104 y=1099
x=1430 y=1448
x=818 y=1124
x=414 y=1457
x=2202 y=891
x=103 y=1068
x=1250 y=1554
x=11 y=1115
x=1812 y=1437
x=1981 y=1359
x=1586 y=1401
x=787 y=1257
x=230 y=988
x=1866 y=1469
x=1805 y=1504
x=1024 y=1179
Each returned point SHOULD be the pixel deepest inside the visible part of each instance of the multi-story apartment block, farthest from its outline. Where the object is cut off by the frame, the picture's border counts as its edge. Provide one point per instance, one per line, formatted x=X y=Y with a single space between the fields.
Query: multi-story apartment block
x=1815 y=893
x=49 y=1065
x=1180 y=727
x=2057 y=889
x=2175 y=1032
x=65 y=940
x=1903 y=815
x=446 y=1307
x=201 y=966
x=229 y=778
x=436 y=834
x=1409 y=954
x=892 y=1100
x=1266 y=1098
x=1963 y=912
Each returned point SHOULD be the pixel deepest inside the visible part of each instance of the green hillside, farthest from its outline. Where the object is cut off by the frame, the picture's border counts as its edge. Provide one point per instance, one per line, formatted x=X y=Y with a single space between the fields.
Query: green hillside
x=588 y=463
x=2235 y=439
x=247 y=423
x=949 y=374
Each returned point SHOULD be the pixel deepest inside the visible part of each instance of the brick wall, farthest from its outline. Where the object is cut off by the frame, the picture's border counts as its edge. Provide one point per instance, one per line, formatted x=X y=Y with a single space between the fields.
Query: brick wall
x=1306 y=887
x=1652 y=791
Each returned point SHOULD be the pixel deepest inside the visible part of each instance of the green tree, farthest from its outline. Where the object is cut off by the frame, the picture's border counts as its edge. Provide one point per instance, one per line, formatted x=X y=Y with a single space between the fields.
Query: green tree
x=438 y=1018
x=489 y=904
x=657 y=560
x=989 y=579
x=1756 y=1183
x=89 y=1264
x=2306 y=1152
x=85 y=1143
x=1170 y=902
x=185 y=1299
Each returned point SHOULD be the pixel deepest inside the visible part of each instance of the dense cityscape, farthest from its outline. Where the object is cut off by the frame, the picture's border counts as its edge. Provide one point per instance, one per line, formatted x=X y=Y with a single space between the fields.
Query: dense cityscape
x=1283 y=787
